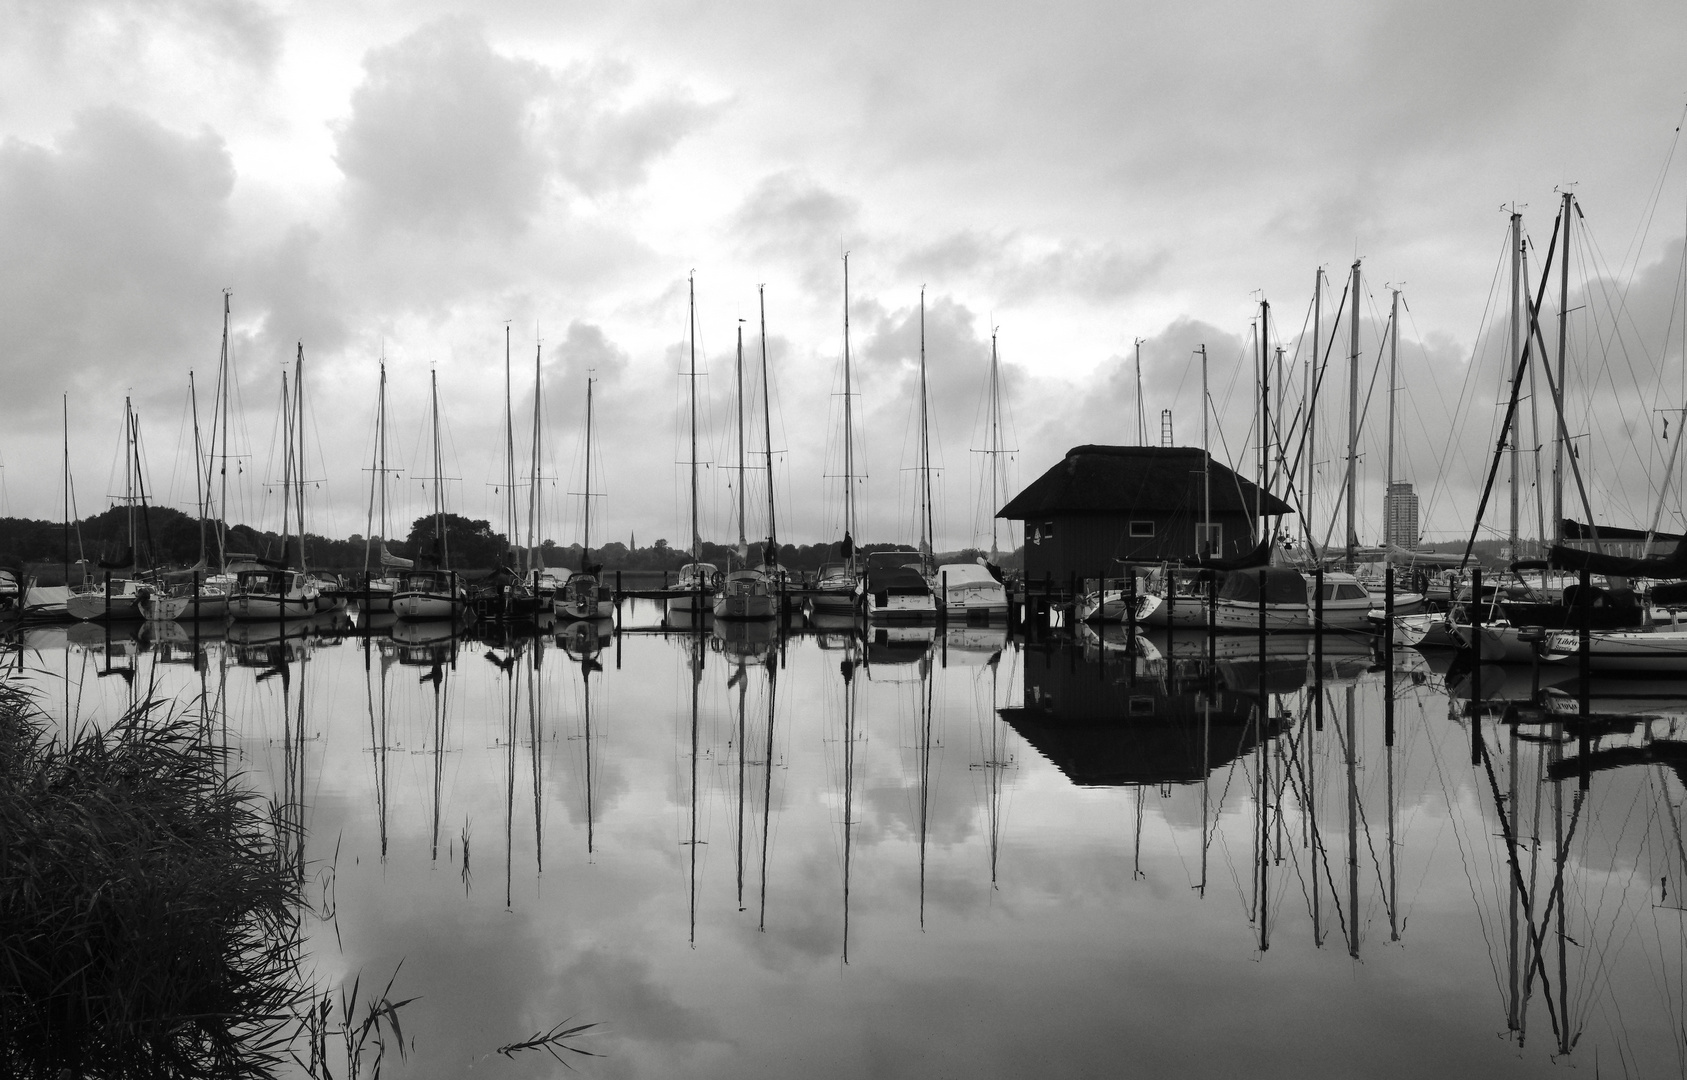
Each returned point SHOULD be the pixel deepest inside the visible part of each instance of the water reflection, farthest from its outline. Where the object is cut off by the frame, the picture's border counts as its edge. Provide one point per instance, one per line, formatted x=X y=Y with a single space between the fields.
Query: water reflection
x=960 y=826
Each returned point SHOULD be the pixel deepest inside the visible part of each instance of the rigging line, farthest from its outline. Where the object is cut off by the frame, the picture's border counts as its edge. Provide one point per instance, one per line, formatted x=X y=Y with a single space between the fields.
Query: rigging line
x=1535 y=964
x=1602 y=973
x=1643 y=229
x=1476 y=903
x=1619 y=312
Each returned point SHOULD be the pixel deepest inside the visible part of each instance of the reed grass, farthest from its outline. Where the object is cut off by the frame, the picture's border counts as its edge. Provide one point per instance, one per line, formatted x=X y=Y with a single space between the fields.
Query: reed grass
x=149 y=915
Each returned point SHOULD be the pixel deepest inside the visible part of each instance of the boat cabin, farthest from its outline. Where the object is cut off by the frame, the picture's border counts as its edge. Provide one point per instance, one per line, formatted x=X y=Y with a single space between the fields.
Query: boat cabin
x=269 y=582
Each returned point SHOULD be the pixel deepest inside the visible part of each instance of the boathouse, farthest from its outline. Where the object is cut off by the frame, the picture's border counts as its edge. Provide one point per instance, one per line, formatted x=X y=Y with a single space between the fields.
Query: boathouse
x=1103 y=507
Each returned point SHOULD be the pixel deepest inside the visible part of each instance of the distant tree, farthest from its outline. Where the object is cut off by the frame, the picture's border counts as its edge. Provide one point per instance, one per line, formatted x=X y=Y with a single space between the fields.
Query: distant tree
x=470 y=544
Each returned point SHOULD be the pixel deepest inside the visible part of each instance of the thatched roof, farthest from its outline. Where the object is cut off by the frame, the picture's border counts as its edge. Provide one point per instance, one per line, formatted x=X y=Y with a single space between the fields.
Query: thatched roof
x=1118 y=479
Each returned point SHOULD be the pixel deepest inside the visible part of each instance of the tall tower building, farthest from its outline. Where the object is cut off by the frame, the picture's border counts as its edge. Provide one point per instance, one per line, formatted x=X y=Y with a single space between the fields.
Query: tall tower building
x=1400 y=515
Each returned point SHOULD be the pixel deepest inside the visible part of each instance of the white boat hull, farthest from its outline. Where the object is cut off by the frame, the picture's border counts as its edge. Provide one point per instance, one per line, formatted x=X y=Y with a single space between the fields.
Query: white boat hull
x=207 y=605
x=256 y=608
x=426 y=606
x=1650 y=652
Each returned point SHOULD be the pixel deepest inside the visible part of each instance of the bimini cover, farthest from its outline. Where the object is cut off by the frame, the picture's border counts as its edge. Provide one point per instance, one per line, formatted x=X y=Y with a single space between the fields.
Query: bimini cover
x=1278 y=584
x=897 y=580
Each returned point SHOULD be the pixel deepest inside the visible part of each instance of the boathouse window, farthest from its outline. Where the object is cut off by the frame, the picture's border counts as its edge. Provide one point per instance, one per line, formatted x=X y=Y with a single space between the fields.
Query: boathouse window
x=1142 y=528
x=1044 y=531
x=1211 y=537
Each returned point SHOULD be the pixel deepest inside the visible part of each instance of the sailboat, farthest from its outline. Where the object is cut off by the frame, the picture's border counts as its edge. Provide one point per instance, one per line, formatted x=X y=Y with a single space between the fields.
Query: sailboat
x=380 y=585
x=697 y=579
x=546 y=581
x=900 y=590
x=837 y=589
x=580 y=596
x=974 y=591
x=179 y=594
x=507 y=595
x=119 y=598
x=1514 y=637
x=434 y=593
x=746 y=593
x=279 y=590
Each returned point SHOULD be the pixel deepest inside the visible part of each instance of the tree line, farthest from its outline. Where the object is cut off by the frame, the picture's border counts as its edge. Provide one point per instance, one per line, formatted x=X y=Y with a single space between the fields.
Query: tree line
x=166 y=537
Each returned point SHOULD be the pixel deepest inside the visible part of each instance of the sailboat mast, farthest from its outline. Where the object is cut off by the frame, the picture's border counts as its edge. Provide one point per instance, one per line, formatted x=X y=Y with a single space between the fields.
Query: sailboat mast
x=1353 y=419
x=198 y=452
x=1393 y=368
x=738 y=384
x=1515 y=351
x=381 y=449
x=1264 y=415
x=129 y=471
x=849 y=431
x=299 y=447
x=927 y=531
x=1563 y=341
x=771 y=555
x=1141 y=415
x=586 y=514
x=533 y=473
x=509 y=450
x=222 y=470
x=995 y=442
x=441 y=550
x=1309 y=381
x=1204 y=546
x=64 y=408
x=286 y=468
x=691 y=318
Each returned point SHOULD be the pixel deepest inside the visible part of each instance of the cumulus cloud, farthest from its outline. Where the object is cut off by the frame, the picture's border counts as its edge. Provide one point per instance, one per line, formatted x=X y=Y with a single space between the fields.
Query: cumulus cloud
x=446 y=134
x=586 y=350
x=439 y=135
x=789 y=217
x=602 y=142
x=113 y=262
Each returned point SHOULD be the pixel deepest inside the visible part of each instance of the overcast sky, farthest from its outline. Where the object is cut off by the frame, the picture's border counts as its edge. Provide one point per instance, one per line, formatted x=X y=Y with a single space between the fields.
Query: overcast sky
x=405 y=179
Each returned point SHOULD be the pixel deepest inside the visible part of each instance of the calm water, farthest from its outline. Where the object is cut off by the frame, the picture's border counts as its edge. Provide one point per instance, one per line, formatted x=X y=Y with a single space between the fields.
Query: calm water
x=960 y=856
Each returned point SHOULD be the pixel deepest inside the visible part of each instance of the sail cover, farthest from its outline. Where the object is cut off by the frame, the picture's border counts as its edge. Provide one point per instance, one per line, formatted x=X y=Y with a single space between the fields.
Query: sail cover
x=1673 y=565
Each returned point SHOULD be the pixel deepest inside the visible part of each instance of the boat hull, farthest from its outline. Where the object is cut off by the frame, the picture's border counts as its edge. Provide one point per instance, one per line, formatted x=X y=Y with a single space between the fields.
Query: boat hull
x=96 y=607
x=265 y=608
x=426 y=606
x=206 y=605
x=746 y=606
x=1659 y=652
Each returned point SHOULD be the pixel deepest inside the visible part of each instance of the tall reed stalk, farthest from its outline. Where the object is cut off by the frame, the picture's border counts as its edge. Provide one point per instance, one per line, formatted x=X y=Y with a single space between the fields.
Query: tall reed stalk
x=149 y=920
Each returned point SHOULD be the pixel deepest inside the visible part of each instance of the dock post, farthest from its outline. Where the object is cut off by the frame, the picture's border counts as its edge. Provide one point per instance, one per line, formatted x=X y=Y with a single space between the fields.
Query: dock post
x=1388 y=657
x=108 y=595
x=1584 y=662
x=1476 y=666
x=1318 y=638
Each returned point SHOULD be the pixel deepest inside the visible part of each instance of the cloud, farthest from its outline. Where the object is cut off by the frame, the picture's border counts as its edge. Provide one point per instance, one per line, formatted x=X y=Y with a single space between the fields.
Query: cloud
x=789 y=217
x=448 y=135
x=242 y=30
x=587 y=350
x=1018 y=268
x=440 y=134
x=600 y=149
x=114 y=254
